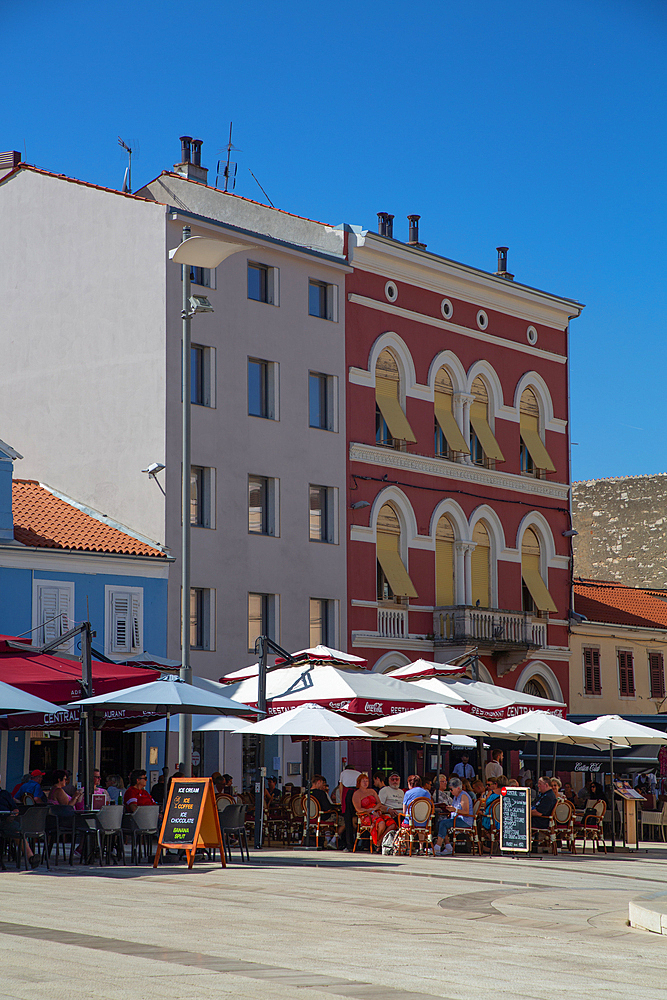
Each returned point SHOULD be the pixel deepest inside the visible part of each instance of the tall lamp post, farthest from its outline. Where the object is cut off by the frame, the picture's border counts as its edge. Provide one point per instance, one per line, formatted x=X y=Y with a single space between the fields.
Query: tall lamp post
x=194 y=251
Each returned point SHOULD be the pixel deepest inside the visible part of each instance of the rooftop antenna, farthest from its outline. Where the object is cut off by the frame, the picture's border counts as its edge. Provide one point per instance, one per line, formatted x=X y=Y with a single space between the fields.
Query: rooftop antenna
x=230 y=168
x=261 y=188
x=127 y=180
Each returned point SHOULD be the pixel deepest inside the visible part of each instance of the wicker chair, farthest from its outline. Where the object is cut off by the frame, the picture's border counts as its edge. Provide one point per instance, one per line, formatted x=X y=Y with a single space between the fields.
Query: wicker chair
x=322 y=826
x=590 y=827
x=418 y=821
x=562 y=819
x=657 y=820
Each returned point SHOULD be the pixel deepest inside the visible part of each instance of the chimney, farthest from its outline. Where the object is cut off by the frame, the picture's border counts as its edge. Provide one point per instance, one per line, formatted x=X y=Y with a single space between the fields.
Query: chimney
x=389 y=231
x=9 y=161
x=413 y=236
x=382 y=223
x=502 y=271
x=190 y=165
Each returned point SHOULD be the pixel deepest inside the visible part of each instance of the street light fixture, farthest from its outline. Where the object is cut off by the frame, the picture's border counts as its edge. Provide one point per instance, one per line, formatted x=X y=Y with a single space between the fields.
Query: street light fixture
x=194 y=251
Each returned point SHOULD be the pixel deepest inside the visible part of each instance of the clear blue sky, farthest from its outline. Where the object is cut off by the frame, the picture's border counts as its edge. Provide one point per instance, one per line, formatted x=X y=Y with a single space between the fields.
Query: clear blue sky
x=531 y=123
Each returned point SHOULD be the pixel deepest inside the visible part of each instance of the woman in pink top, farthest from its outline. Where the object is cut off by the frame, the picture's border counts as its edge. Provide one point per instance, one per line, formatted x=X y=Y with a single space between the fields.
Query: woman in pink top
x=58 y=796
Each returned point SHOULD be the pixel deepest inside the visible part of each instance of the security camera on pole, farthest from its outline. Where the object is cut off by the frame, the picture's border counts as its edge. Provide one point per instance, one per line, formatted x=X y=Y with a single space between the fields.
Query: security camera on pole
x=194 y=251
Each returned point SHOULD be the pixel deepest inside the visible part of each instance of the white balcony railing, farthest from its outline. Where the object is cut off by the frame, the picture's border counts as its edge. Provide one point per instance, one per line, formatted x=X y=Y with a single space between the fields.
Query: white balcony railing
x=501 y=628
x=393 y=623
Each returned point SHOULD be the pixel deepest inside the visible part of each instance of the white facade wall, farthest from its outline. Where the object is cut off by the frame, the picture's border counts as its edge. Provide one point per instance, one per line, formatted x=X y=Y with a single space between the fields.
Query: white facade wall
x=82 y=380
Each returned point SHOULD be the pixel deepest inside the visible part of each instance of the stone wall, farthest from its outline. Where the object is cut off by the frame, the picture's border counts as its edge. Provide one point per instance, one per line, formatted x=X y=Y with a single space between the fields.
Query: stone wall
x=622 y=527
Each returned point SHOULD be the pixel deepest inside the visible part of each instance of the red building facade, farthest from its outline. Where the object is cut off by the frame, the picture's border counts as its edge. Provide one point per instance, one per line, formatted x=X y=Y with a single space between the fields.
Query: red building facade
x=458 y=462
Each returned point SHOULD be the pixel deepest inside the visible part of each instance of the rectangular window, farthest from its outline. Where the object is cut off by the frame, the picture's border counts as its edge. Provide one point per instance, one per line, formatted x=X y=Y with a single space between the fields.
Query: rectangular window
x=322 y=622
x=626 y=674
x=202 y=375
x=202 y=502
x=52 y=612
x=657 y=675
x=322 y=300
x=202 y=601
x=322 y=513
x=442 y=449
x=262 y=505
x=262 y=618
x=201 y=276
x=321 y=401
x=124 y=620
x=592 y=680
x=262 y=389
x=263 y=283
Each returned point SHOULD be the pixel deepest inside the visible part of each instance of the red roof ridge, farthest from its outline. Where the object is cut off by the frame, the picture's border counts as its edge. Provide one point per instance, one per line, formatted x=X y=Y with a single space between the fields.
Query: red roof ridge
x=609 y=479
x=75 y=180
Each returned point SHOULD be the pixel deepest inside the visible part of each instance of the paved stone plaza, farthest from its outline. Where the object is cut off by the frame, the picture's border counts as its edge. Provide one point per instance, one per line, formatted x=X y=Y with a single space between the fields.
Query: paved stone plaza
x=325 y=925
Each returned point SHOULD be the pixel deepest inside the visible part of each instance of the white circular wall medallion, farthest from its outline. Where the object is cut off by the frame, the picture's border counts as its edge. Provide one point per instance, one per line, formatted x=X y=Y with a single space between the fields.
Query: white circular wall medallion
x=482 y=320
x=447 y=309
x=391 y=291
x=531 y=335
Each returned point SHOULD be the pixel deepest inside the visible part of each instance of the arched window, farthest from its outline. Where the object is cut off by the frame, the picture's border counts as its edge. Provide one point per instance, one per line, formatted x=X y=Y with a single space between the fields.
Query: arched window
x=480 y=566
x=534 y=455
x=535 y=596
x=444 y=563
x=392 y=577
x=535 y=687
x=483 y=446
x=448 y=437
x=391 y=423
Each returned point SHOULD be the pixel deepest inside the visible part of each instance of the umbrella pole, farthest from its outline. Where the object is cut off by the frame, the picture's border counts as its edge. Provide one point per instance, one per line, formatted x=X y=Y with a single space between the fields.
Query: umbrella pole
x=480 y=755
x=553 y=762
x=611 y=796
x=436 y=790
x=165 y=762
x=310 y=781
x=537 y=763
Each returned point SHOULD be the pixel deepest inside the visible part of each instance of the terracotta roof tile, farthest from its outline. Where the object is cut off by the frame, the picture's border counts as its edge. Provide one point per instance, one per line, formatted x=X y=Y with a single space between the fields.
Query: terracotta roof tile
x=602 y=601
x=45 y=521
x=73 y=180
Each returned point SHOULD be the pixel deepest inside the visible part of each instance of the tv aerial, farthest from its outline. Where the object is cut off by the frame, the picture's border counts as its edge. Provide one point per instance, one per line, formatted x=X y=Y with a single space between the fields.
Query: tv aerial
x=127 y=180
x=230 y=167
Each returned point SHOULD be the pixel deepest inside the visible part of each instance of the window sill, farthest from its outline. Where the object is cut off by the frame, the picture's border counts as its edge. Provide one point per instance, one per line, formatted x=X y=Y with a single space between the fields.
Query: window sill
x=322 y=541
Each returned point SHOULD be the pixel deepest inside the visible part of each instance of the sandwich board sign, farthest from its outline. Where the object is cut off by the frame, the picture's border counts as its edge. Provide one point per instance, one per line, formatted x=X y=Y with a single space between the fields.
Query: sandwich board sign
x=515 y=819
x=190 y=819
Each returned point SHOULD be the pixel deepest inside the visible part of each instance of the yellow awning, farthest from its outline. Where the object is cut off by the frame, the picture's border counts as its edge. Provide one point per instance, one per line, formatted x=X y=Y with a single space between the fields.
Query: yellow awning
x=392 y=565
x=386 y=395
x=537 y=587
x=448 y=425
x=534 y=444
x=484 y=432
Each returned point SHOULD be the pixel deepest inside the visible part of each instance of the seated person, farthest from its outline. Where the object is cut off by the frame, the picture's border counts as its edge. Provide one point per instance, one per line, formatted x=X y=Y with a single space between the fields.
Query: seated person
x=136 y=795
x=378 y=781
x=157 y=791
x=33 y=786
x=318 y=790
x=460 y=813
x=271 y=792
x=478 y=788
x=544 y=804
x=415 y=791
x=391 y=794
x=569 y=793
x=441 y=797
x=10 y=826
x=492 y=796
x=99 y=789
x=512 y=783
x=59 y=797
x=556 y=786
x=369 y=810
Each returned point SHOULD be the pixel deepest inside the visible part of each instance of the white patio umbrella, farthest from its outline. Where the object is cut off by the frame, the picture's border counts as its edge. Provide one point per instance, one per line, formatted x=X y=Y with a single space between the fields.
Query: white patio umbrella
x=200 y=724
x=436 y=720
x=13 y=699
x=541 y=725
x=614 y=730
x=425 y=668
x=166 y=696
x=486 y=698
x=308 y=720
x=322 y=655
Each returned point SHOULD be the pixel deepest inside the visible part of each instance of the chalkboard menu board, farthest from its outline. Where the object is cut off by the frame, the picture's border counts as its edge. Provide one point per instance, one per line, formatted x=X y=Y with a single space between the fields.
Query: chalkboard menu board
x=190 y=819
x=515 y=819
x=182 y=813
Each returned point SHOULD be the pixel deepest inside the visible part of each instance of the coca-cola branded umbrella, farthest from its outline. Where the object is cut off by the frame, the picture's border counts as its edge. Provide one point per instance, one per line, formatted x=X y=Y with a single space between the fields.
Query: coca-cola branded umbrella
x=420 y=669
x=359 y=694
x=316 y=655
x=490 y=701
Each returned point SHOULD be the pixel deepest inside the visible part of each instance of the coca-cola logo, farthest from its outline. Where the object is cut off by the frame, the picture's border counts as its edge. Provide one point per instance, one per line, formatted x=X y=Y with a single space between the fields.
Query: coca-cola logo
x=339 y=706
x=373 y=708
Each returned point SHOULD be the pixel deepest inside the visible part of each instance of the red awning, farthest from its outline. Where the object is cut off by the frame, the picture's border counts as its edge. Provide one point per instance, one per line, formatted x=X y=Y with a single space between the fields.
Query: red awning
x=59 y=680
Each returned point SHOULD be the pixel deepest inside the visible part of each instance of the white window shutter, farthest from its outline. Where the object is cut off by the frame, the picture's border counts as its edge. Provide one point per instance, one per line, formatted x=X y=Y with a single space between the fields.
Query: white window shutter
x=48 y=612
x=66 y=617
x=121 y=631
x=137 y=622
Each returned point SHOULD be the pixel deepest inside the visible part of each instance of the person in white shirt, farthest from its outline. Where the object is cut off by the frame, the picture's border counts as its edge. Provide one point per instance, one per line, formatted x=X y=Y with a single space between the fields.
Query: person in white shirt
x=391 y=795
x=463 y=769
x=495 y=766
x=347 y=785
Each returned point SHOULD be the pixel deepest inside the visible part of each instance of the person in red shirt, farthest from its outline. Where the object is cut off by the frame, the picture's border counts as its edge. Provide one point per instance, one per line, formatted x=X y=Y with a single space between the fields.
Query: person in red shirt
x=136 y=794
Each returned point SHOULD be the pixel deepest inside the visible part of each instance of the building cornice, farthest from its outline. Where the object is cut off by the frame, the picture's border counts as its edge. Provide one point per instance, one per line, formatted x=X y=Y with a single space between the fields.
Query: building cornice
x=74 y=561
x=441 y=468
x=391 y=259
x=464 y=331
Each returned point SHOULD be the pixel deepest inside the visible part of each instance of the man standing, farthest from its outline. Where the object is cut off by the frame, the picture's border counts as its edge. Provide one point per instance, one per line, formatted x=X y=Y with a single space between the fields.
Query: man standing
x=463 y=769
x=495 y=766
x=347 y=784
